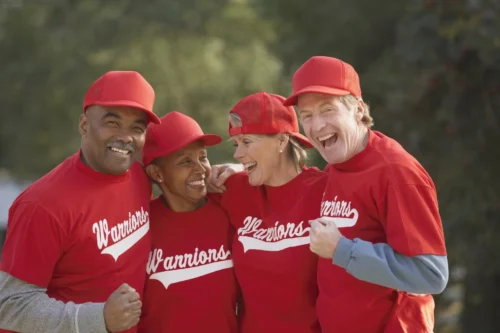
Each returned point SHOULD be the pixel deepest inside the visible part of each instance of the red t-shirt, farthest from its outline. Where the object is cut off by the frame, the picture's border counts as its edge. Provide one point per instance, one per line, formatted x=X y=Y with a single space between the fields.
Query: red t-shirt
x=191 y=285
x=382 y=195
x=273 y=263
x=80 y=233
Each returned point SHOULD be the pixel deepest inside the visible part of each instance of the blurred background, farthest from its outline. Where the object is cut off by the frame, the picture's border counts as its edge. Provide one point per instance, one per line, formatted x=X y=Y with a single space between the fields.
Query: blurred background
x=430 y=69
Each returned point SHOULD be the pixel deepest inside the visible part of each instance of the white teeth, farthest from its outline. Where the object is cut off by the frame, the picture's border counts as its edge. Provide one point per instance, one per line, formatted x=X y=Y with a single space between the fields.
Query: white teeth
x=197 y=183
x=325 y=137
x=249 y=165
x=118 y=150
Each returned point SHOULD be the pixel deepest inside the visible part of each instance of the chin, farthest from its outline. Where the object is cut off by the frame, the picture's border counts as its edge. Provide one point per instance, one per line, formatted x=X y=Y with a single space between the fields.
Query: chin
x=254 y=182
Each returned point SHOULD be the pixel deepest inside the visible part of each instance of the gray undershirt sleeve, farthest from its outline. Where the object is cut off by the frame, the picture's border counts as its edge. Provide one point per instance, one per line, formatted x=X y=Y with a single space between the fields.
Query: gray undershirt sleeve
x=380 y=264
x=27 y=308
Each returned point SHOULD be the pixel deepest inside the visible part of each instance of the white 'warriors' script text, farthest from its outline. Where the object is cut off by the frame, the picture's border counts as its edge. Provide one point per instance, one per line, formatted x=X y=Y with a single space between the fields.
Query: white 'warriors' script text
x=275 y=238
x=187 y=266
x=339 y=212
x=124 y=234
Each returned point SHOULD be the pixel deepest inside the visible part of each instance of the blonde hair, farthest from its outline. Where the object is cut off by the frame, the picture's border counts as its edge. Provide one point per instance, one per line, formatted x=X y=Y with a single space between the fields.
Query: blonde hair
x=352 y=101
x=296 y=152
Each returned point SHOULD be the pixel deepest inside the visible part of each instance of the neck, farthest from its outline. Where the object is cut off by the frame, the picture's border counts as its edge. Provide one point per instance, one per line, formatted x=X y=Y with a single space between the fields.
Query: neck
x=362 y=136
x=284 y=173
x=181 y=205
x=85 y=160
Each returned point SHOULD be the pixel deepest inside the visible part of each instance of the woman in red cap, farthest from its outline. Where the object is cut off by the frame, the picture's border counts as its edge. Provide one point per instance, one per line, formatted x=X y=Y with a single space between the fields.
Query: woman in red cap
x=191 y=285
x=270 y=205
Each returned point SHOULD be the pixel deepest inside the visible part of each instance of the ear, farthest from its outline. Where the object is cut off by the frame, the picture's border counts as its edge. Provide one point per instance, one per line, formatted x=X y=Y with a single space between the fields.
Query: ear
x=83 y=124
x=360 y=110
x=154 y=173
x=283 y=141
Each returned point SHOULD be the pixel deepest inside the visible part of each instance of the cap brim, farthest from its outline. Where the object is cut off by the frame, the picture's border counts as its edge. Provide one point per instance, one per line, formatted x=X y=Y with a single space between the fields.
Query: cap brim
x=152 y=117
x=292 y=100
x=303 y=140
x=207 y=139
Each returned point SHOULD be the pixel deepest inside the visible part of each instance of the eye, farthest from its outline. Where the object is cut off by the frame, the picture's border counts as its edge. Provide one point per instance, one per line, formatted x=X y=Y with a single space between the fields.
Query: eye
x=246 y=141
x=203 y=158
x=112 y=123
x=305 y=116
x=139 y=129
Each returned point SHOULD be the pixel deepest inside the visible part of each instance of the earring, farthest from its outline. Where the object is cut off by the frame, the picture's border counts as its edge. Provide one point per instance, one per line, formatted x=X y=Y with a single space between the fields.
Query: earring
x=281 y=150
x=160 y=180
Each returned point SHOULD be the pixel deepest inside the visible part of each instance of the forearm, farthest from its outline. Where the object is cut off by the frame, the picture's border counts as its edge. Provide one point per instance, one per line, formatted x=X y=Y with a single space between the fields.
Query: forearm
x=27 y=308
x=380 y=264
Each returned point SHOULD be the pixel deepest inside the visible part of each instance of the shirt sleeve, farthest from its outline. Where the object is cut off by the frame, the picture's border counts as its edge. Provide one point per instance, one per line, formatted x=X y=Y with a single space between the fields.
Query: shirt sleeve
x=33 y=245
x=410 y=215
x=27 y=308
x=414 y=257
x=380 y=264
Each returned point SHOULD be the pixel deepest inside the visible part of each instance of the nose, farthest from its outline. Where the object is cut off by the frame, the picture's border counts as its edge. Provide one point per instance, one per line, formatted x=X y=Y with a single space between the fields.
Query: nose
x=239 y=152
x=125 y=136
x=200 y=168
x=317 y=123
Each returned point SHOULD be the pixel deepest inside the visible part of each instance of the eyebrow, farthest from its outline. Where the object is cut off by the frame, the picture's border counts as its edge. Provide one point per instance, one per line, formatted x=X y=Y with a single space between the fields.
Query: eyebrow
x=116 y=116
x=322 y=105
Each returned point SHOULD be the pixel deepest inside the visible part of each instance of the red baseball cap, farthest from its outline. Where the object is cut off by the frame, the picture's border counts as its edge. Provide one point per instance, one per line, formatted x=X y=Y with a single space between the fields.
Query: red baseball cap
x=264 y=113
x=324 y=75
x=122 y=88
x=176 y=131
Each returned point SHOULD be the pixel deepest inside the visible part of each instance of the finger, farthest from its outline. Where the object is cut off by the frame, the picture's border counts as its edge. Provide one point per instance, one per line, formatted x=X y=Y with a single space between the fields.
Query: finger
x=132 y=297
x=212 y=189
x=215 y=171
x=124 y=288
x=135 y=305
x=136 y=313
x=223 y=177
x=316 y=226
x=323 y=222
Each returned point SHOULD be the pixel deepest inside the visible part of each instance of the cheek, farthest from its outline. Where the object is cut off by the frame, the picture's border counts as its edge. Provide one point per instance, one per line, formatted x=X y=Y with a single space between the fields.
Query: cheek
x=206 y=166
x=307 y=128
x=178 y=177
x=139 y=140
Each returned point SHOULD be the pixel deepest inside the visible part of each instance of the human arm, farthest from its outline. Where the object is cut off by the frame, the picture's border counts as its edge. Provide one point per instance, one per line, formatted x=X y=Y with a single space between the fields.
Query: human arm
x=35 y=241
x=219 y=174
x=414 y=257
x=27 y=308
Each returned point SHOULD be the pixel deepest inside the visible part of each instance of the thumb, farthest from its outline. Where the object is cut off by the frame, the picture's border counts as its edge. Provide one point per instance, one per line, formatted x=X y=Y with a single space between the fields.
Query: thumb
x=223 y=177
x=124 y=288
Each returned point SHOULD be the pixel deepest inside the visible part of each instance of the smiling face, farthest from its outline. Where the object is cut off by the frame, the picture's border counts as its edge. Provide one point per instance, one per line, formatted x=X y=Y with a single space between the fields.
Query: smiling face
x=260 y=155
x=181 y=176
x=112 y=137
x=334 y=129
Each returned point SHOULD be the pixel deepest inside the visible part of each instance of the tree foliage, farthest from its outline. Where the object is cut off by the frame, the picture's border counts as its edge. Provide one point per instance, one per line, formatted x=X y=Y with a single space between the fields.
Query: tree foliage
x=430 y=69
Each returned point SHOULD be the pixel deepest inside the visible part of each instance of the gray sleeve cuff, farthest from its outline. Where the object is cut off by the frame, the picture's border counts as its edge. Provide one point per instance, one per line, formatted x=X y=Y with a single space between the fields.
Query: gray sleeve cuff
x=343 y=252
x=90 y=318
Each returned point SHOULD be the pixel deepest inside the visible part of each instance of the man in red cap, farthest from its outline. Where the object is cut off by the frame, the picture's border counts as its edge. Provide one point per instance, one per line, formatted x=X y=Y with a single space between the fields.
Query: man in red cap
x=78 y=238
x=380 y=237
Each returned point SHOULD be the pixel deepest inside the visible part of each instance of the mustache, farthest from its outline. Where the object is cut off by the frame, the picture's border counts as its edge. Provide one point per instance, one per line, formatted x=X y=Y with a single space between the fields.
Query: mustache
x=122 y=145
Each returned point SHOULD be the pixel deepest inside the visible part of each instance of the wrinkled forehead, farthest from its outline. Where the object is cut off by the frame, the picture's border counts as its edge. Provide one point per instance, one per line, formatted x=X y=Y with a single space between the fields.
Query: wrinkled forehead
x=123 y=112
x=312 y=101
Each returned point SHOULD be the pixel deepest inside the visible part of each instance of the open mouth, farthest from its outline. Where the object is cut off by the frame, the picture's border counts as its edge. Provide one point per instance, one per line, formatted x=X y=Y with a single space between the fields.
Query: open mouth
x=328 y=140
x=121 y=152
x=250 y=166
x=197 y=184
